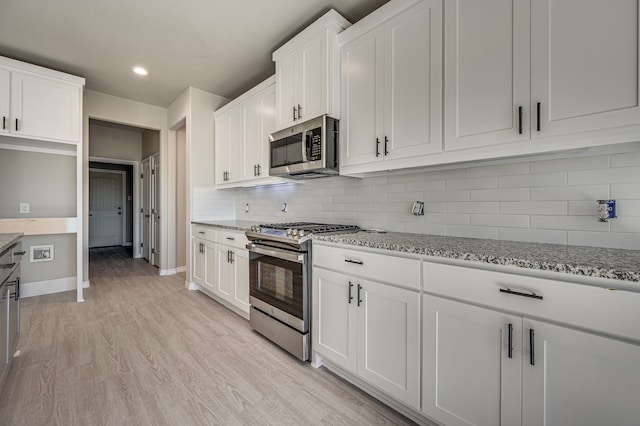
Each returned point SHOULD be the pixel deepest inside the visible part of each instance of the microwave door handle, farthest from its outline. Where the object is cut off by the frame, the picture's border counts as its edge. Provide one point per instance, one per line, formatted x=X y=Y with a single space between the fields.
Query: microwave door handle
x=306 y=145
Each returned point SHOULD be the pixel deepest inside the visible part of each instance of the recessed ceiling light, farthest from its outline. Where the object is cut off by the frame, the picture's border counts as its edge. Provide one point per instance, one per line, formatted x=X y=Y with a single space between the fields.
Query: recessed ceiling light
x=140 y=71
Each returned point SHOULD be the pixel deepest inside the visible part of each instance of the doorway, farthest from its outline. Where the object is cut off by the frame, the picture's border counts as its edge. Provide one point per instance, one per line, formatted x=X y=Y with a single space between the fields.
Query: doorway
x=150 y=211
x=107 y=208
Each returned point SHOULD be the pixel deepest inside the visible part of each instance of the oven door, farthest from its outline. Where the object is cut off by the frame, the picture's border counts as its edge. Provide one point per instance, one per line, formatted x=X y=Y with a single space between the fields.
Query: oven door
x=278 y=284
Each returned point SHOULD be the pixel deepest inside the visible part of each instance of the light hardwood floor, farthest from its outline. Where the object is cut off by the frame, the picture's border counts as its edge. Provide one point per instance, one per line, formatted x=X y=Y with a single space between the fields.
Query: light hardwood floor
x=144 y=350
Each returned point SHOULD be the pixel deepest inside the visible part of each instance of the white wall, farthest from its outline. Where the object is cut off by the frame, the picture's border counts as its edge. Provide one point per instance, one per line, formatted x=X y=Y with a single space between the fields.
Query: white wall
x=116 y=143
x=181 y=196
x=150 y=143
x=119 y=110
x=551 y=201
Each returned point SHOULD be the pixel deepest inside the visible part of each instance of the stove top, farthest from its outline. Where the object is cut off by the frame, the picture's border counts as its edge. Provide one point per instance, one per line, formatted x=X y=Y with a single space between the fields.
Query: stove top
x=296 y=231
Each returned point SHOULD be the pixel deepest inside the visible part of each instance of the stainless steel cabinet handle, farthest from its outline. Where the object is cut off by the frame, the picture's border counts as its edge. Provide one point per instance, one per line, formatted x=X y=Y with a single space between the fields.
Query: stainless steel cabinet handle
x=532 y=352
x=519 y=120
x=531 y=295
x=357 y=262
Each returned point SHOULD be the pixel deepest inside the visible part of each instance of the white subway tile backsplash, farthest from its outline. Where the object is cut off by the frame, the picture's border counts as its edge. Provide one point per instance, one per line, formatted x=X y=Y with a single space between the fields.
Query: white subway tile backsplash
x=473 y=207
x=503 y=220
x=552 y=201
x=571 y=193
x=518 y=194
x=534 y=207
x=618 y=175
x=534 y=180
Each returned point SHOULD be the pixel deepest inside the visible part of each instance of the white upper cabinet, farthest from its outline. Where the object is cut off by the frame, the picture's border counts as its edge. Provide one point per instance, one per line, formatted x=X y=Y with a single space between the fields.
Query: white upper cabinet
x=392 y=87
x=242 y=130
x=524 y=70
x=584 y=65
x=307 y=73
x=41 y=104
x=5 y=99
x=486 y=85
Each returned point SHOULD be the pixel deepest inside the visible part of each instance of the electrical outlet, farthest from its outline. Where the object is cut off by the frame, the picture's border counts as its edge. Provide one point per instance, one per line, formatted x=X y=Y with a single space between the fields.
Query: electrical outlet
x=418 y=208
x=25 y=208
x=606 y=210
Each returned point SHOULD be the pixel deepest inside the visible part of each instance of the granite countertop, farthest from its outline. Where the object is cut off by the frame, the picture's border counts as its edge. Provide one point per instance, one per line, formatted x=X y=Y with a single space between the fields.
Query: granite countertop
x=7 y=239
x=596 y=262
x=237 y=225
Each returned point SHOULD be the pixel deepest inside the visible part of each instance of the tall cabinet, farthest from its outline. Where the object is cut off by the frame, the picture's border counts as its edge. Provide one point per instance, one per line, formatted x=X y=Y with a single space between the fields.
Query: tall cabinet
x=392 y=86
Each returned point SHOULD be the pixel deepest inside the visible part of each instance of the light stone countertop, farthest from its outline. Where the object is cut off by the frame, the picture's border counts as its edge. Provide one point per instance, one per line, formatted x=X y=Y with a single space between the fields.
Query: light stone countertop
x=236 y=225
x=615 y=264
x=7 y=239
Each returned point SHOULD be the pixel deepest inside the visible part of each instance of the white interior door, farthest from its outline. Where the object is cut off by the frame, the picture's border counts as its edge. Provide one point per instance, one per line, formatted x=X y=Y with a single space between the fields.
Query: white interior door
x=155 y=211
x=105 y=209
x=145 y=212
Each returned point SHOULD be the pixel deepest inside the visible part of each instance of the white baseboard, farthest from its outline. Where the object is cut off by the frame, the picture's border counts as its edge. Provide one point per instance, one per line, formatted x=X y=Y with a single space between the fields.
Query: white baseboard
x=181 y=269
x=171 y=271
x=86 y=284
x=191 y=286
x=38 y=288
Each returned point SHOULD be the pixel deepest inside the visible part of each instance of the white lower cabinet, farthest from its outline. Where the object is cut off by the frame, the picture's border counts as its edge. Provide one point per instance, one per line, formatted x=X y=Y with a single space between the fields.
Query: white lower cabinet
x=370 y=329
x=220 y=265
x=482 y=366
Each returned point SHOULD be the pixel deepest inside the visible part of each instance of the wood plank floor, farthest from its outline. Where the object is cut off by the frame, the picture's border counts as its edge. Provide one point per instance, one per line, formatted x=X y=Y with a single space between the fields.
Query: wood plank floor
x=144 y=350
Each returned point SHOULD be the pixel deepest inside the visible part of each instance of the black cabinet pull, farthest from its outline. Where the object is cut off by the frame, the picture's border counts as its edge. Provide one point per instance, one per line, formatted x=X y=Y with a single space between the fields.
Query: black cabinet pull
x=531 y=295
x=20 y=253
x=228 y=256
x=255 y=170
x=377 y=147
x=231 y=238
x=532 y=353
x=357 y=262
x=386 y=142
x=16 y=124
x=232 y=256
x=294 y=113
x=259 y=171
x=519 y=120
x=538 y=116
x=8 y=266
x=4 y=123
x=359 y=300
x=17 y=289
x=299 y=112
x=350 y=296
x=510 y=348
x=201 y=232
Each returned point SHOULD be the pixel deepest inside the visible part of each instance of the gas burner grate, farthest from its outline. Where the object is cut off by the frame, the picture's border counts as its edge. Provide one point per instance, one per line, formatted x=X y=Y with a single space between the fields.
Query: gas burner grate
x=315 y=228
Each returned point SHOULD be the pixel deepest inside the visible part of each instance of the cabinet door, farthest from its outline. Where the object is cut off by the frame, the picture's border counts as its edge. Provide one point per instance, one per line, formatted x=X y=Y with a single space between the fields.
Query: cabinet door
x=413 y=81
x=210 y=266
x=45 y=109
x=487 y=72
x=584 y=61
x=5 y=90
x=314 y=87
x=268 y=127
x=334 y=317
x=259 y=122
x=197 y=259
x=236 y=147
x=222 y=143
x=468 y=376
x=579 y=378
x=241 y=279
x=389 y=340
x=225 y=278
x=362 y=105
x=287 y=79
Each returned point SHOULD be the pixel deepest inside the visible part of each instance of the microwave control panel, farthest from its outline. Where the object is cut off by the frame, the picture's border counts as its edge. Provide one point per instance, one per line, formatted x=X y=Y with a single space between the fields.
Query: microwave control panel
x=314 y=144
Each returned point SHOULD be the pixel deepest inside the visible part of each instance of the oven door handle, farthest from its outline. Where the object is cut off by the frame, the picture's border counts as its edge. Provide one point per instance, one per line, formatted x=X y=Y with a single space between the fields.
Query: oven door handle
x=280 y=254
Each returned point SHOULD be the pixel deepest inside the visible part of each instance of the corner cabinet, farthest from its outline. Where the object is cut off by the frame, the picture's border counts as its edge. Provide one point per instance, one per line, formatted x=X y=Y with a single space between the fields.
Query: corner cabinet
x=364 y=325
x=550 y=71
x=392 y=87
x=242 y=130
x=40 y=104
x=559 y=355
x=307 y=73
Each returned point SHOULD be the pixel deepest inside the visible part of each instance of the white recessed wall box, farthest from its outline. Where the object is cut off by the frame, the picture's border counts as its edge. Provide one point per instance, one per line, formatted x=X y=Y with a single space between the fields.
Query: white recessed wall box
x=41 y=253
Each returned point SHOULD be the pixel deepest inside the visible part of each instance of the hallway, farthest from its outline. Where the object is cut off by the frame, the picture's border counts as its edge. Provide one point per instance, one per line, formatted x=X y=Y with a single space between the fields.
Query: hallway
x=144 y=350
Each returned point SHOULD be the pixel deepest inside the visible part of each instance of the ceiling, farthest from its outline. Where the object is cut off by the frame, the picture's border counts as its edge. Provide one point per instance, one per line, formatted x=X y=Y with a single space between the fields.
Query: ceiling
x=220 y=46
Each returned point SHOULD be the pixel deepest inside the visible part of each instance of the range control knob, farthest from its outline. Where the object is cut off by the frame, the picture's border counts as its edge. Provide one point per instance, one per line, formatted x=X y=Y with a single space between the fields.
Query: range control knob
x=301 y=233
x=295 y=233
x=289 y=231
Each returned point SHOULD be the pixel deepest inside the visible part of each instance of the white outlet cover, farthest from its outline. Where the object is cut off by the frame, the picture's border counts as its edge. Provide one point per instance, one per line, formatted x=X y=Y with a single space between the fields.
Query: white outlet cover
x=25 y=208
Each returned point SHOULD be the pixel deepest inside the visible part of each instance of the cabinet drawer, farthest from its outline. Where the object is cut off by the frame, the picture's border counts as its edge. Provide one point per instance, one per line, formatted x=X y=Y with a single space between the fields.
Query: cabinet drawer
x=204 y=232
x=232 y=238
x=595 y=308
x=377 y=267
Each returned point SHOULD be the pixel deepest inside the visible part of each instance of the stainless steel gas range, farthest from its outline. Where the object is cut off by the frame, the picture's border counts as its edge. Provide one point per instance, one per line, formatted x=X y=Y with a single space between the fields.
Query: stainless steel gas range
x=280 y=281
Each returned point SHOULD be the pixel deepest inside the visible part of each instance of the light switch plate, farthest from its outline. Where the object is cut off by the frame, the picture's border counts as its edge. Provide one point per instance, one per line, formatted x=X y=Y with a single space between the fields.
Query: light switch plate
x=25 y=208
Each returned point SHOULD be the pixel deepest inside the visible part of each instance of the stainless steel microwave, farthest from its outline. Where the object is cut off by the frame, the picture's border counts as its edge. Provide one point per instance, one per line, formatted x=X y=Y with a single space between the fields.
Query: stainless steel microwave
x=306 y=150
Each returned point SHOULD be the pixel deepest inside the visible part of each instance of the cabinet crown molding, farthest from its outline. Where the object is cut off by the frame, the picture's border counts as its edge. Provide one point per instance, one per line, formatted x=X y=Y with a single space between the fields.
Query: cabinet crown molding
x=15 y=65
x=246 y=95
x=331 y=19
